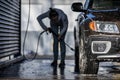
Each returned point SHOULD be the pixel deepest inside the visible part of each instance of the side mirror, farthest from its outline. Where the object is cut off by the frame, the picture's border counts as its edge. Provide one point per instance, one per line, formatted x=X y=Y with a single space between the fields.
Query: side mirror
x=77 y=7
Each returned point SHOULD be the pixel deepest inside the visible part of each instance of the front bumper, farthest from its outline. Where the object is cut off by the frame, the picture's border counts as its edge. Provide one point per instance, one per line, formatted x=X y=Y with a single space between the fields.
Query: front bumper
x=110 y=50
x=115 y=57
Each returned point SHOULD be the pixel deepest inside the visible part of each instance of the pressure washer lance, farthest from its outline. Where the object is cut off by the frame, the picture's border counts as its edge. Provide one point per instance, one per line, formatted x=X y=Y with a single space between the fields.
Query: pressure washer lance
x=51 y=31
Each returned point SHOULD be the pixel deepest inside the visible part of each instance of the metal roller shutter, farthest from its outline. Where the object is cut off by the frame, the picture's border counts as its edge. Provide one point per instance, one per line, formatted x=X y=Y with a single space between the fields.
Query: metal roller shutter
x=9 y=28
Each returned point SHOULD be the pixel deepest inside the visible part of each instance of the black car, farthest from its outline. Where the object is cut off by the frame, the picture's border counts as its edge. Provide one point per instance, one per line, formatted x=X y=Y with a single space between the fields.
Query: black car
x=97 y=34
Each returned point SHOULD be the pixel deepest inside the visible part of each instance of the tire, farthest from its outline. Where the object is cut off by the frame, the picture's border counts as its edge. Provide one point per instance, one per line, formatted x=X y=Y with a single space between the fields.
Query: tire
x=76 y=54
x=85 y=64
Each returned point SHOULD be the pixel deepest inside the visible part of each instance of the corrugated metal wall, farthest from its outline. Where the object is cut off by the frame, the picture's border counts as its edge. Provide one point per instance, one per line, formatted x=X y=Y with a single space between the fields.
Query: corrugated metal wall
x=9 y=27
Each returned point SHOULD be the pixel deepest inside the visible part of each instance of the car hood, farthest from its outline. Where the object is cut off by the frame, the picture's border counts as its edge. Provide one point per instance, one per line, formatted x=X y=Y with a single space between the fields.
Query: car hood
x=104 y=15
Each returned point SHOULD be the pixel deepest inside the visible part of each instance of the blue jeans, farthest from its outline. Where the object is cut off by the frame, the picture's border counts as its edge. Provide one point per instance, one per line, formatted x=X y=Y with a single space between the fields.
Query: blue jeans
x=56 y=43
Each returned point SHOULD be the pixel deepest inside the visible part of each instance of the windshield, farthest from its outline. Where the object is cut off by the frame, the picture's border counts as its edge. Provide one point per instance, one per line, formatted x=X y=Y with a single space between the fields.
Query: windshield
x=105 y=4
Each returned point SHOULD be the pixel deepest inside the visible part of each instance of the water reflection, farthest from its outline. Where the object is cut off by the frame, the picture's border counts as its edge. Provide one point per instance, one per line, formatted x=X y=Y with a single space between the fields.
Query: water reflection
x=41 y=69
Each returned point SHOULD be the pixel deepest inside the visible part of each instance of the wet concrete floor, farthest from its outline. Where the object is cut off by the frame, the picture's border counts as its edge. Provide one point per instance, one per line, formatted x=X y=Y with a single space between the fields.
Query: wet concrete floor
x=41 y=70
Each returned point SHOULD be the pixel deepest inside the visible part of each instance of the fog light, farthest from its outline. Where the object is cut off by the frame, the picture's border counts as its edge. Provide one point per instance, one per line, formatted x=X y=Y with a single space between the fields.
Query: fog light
x=100 y=47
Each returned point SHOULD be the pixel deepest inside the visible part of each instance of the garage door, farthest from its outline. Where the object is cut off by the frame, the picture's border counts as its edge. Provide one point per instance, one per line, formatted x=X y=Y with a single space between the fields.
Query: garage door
x=9 y=28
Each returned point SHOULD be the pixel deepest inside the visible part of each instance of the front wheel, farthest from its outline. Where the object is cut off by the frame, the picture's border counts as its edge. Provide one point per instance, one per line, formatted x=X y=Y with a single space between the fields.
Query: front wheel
x=76 y=70
x=86 y=65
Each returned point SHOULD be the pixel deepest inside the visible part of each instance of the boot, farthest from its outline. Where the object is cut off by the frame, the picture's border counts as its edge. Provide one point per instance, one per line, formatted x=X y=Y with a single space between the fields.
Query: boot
x=54 y=63
x=62 y=64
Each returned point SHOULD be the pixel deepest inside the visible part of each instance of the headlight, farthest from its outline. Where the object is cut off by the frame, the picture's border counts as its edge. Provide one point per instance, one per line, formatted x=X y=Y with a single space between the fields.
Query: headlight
x=108 y=27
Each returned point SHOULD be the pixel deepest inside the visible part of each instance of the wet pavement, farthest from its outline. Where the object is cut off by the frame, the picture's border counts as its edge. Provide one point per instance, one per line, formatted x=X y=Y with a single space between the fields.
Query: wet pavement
x=41 y=70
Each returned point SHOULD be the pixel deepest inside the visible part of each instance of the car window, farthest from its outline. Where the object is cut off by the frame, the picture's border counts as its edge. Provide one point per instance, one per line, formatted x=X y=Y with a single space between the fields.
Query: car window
x=105 y=4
